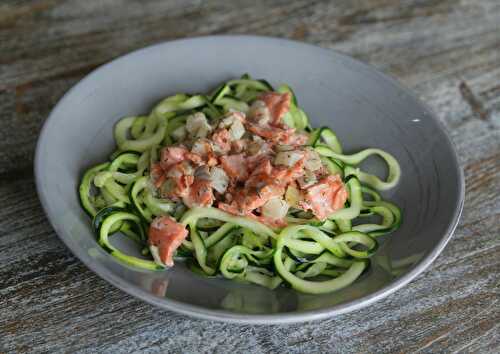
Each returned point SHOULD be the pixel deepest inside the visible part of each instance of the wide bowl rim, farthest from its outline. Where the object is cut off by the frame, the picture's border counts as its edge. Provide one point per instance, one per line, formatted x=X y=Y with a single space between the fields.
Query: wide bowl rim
x=243 y=318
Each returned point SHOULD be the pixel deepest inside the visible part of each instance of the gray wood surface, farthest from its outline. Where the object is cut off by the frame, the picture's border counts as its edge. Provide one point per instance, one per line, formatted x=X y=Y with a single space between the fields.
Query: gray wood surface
x=447 y=51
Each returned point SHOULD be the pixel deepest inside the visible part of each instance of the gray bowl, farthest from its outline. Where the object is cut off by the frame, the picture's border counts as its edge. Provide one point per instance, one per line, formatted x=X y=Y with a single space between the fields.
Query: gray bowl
x=364 y=107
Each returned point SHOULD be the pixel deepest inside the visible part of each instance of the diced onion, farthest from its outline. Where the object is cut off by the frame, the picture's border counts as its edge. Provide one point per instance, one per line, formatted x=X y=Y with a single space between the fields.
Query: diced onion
x=313 y=161
x=288 y=158
x=292 y=196
x=307 y=180
x=275 y=208
x=197 y=125
x=219 y=179
x=233 y=122
x=259 y=112
x=201 y=147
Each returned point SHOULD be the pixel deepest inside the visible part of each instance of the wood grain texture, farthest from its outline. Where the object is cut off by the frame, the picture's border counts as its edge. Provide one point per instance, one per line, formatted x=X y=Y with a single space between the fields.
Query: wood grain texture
x=447 y=51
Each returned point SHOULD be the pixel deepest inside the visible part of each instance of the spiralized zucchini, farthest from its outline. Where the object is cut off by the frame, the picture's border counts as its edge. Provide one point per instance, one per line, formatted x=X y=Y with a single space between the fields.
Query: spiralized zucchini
x=310 y=255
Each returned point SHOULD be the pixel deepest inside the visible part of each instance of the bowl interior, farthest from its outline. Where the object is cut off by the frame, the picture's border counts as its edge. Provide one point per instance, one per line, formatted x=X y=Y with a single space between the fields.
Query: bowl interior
x=364 y=107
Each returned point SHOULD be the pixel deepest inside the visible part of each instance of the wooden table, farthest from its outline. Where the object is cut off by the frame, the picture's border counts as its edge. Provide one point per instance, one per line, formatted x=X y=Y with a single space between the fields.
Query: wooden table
x=447 y=51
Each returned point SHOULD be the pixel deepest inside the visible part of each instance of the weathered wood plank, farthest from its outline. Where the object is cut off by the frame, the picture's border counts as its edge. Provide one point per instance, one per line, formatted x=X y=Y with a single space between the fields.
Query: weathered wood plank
x=447 y=51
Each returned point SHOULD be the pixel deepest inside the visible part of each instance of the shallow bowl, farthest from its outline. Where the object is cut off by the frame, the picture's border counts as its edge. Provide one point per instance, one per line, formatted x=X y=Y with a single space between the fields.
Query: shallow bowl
x=365 y=108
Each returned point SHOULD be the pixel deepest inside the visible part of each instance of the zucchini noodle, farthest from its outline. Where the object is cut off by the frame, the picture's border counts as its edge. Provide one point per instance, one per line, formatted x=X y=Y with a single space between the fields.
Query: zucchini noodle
x=310 y=255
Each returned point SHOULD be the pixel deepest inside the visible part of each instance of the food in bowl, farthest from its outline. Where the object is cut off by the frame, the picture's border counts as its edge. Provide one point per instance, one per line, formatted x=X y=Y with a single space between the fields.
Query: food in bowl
x=238 y=184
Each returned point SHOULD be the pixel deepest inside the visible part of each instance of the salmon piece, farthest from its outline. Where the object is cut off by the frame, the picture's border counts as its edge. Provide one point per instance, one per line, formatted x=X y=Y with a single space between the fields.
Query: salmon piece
x=262 y=168
x=297 y=139
x=289 y=174
x=180 y=168
x=195 y=158
x=282 y=173
x=234 y=166
x=266 y=131
x=222 y=139
x=203 y=148
x=178 y=187
x=325 y=197
x=264 y=173
x=235 y=210
x=183 y=185
x=256 y=197
x=278 y=104
x=254 y=161
x=249 y=202
x=172 y=155
x=263 y=184
x=179 y=179
x=200 y=194
x=271 y=133
x=243 y=201
x=157 y=175
x=166 y=234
